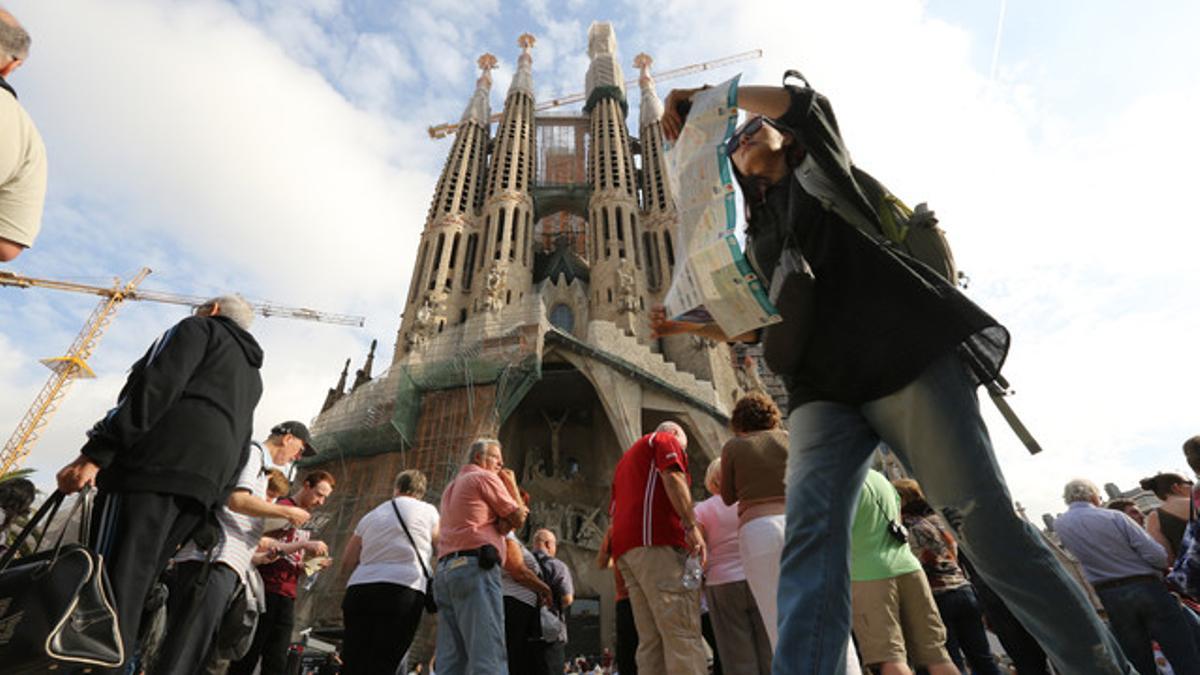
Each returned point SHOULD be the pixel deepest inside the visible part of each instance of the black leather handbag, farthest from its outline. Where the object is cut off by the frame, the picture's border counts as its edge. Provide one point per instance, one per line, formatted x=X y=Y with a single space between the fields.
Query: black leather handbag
x=56 y=607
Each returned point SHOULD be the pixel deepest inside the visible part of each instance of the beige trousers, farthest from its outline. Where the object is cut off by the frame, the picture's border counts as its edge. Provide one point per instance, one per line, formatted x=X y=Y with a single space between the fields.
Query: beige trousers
x=666 y=614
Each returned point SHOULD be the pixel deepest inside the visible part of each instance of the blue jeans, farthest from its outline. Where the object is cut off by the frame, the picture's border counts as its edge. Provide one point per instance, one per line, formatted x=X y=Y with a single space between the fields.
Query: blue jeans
x=964 y=630
x=934 y=426
x=1143 y=611
x=470 y=624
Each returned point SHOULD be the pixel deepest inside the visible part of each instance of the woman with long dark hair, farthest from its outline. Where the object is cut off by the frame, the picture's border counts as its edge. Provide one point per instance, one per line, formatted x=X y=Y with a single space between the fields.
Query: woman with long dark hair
x=1166 y=523
x=888 y=349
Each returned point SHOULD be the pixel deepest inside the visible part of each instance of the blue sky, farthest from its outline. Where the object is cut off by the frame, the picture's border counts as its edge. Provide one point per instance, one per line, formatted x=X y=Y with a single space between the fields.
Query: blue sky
x=279 y=149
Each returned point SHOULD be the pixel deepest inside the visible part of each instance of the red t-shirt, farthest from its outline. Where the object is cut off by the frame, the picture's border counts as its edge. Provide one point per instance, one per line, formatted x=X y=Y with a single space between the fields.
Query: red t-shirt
x=641 y=513
x=280 y=576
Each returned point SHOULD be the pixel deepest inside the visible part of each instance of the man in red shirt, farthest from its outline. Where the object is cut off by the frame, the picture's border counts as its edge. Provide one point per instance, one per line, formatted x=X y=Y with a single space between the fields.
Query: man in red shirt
x=280 y=576
x=653 y=532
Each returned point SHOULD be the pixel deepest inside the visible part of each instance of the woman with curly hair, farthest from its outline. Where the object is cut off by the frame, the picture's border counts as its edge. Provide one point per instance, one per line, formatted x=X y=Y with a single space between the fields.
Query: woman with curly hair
x=753 y=463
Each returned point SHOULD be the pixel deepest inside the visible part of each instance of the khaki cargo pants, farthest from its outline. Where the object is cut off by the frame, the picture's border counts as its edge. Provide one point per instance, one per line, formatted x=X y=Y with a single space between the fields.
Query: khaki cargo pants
x=666 y=614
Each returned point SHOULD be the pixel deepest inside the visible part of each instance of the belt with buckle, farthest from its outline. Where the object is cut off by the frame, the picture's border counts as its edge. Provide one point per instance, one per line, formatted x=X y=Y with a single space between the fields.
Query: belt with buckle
x=1124 y=581
x=469 y=553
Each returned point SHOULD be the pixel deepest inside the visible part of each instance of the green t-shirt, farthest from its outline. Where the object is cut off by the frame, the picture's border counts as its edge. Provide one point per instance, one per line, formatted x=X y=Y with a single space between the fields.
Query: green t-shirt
x=876 y=554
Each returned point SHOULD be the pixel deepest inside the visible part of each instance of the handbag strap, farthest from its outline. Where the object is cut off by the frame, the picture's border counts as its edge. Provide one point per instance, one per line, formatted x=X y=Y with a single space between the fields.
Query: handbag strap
x=46 y=511
x=416 y=551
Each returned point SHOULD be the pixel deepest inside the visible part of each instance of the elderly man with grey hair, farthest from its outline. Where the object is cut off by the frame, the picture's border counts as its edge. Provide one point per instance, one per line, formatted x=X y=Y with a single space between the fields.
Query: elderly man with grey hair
x=479 y=507
x=169 y=453
x=654 y=530
x=22 y=153
x=1125 y=566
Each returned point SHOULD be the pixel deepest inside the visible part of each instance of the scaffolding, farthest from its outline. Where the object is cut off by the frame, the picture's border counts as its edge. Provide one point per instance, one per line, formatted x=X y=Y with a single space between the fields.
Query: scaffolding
x=563 y=143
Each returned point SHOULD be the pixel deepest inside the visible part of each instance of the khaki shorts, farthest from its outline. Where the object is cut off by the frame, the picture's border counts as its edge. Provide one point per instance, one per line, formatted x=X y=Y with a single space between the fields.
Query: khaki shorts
x=896 y=621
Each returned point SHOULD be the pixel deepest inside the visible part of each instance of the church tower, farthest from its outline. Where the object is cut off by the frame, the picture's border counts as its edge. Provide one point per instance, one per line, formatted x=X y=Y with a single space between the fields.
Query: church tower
x=449 y=243
x=507 y=241
x=658 y=218
x=617 y=283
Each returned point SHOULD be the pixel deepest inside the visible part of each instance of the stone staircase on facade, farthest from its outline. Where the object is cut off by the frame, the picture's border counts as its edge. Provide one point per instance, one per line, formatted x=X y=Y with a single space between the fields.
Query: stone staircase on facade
x=612 y=339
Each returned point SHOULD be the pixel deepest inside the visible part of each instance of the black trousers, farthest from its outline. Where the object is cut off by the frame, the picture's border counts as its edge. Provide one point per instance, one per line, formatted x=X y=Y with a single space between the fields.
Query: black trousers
x=137 y=533
x=195 y=605
x=380 y=620
x=522 y=630
x=706 y=630
x=627 y=638
x=271 y=639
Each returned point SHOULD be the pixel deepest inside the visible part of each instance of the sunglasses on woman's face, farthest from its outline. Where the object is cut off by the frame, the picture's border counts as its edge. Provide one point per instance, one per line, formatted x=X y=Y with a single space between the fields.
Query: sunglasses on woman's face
x=748 y=129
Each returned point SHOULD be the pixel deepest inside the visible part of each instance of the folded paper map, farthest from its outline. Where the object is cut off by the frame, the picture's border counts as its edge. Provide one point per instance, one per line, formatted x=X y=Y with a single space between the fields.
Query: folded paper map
x=713 y=282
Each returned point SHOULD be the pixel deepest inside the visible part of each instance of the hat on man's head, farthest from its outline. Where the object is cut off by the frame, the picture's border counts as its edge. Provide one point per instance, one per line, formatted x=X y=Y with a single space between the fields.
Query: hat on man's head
x=298 y=430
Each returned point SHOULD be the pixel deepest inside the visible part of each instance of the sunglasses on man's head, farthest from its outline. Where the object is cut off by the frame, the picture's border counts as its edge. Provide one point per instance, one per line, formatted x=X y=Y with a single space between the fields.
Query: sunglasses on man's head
x=748 y=129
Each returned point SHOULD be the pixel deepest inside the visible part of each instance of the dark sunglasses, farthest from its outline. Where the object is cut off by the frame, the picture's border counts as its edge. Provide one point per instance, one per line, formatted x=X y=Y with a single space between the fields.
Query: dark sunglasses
x=748 y=129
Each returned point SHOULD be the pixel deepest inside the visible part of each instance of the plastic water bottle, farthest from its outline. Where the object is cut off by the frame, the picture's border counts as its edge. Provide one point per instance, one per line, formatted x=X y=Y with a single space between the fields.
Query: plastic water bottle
x=692 y=573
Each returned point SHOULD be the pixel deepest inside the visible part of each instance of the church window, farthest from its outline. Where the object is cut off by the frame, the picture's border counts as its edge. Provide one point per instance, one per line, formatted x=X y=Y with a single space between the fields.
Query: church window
x=562 y=317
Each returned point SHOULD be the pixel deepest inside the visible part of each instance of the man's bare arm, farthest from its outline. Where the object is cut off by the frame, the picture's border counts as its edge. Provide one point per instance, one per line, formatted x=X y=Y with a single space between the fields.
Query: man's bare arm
x=247 y=504
x=675 y=482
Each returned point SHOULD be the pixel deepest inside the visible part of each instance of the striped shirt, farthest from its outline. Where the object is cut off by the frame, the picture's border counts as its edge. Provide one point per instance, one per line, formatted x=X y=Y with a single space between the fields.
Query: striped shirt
x=642 y=514
x=239 y=534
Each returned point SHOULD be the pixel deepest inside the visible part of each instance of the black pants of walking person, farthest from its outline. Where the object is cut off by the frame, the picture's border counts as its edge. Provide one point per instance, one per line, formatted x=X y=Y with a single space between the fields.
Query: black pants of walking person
x=380 y=620
x=272 y=636
x=706 y=629
x=964 y=630
x=196 y=602
x=522 y=630
x=627 y=638
x=137 y=533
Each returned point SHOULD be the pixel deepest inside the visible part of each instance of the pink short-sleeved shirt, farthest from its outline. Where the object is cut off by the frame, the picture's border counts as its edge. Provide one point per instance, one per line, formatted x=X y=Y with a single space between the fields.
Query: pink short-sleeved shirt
x=720 y=523
x=471 y=506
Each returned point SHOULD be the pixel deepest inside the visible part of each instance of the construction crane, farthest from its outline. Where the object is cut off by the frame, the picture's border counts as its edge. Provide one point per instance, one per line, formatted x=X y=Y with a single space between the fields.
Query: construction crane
x=443 y=130
x=74 y=365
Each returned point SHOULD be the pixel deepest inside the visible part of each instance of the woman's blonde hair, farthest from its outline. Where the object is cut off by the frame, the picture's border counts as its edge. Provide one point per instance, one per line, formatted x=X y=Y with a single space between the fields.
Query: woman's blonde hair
x=712 y=477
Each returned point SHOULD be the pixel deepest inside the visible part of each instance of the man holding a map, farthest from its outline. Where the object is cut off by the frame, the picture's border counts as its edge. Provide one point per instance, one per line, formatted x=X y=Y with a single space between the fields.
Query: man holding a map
x=887 y=350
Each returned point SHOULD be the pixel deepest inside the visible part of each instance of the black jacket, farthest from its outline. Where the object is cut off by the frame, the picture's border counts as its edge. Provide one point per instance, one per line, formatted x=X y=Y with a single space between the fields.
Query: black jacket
x=183 y=421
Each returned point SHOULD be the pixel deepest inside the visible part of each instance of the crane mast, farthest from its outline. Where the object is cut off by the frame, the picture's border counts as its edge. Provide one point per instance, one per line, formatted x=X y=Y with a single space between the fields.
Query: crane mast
x=64 y=371
x=74 y=364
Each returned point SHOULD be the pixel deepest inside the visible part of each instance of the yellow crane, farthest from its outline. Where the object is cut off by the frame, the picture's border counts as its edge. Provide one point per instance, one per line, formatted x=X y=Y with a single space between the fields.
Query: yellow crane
x=74 y=365
x=443 y=130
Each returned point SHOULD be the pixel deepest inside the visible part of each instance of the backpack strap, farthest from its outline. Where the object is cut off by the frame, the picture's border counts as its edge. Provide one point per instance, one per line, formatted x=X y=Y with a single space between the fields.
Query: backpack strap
x=541 y=557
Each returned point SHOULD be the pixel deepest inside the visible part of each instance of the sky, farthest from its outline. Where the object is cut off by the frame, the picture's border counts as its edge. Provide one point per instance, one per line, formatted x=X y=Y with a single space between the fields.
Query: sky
x=278 y=149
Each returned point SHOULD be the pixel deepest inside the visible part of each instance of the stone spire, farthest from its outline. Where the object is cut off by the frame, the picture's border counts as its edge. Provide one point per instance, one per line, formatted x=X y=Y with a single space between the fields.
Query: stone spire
x=508 y=208
x=447 y=252
x=363 y=375
x=523 y=79
x=604 y=72
x=651 y=106
x=334 y=395
x=479 y=109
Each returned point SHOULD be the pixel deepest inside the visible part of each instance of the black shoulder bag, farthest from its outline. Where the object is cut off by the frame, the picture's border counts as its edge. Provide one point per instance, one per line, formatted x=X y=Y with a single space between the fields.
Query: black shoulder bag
x=56 y=606
x=792 y=292
x=430 y=602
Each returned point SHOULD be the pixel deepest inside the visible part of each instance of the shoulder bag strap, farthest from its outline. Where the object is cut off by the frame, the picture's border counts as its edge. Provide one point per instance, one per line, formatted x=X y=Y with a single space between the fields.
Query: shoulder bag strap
x=416 y=551
x=46 y=512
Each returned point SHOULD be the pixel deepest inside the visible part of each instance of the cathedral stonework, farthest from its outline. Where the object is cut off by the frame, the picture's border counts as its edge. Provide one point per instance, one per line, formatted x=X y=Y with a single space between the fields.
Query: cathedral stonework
x=547 y=241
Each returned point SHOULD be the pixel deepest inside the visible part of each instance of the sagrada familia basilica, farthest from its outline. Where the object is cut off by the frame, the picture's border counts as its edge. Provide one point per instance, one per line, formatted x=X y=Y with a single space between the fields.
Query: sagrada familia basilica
x=547 y=240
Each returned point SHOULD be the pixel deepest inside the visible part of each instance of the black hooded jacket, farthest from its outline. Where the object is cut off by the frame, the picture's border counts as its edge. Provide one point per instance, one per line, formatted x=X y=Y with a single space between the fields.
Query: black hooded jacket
x=879 y=317
x=183 y=421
